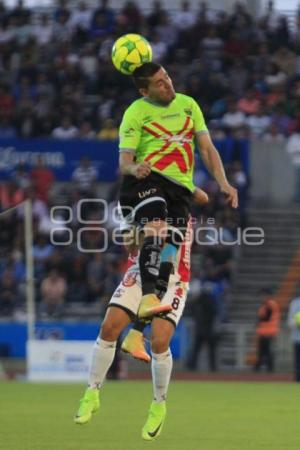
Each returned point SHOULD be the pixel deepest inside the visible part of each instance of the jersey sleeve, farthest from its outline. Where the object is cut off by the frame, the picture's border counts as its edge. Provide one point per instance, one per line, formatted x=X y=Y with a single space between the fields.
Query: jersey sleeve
x=198 y=118
x=129 y=132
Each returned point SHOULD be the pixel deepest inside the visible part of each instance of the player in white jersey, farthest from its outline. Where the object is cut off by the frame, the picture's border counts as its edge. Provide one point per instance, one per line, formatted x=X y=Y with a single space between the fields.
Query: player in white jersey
x=122 y=310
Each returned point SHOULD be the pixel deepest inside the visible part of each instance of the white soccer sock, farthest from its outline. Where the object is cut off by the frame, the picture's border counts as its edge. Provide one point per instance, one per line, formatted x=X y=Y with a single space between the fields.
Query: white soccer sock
x=103 y=356
x=161 y=368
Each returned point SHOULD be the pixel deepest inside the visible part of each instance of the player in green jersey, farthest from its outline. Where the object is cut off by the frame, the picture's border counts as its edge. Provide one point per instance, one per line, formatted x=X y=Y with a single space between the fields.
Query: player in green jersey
x=157 y=142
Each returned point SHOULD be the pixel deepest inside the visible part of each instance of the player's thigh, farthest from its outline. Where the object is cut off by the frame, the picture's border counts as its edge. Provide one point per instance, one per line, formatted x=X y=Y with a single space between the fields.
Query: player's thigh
x=128 y=294
x=115 y=320
x=162 y=331
x=176 y=297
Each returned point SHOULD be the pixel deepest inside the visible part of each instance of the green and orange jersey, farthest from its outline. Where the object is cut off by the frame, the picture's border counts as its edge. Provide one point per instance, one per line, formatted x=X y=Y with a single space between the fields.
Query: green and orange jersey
x=164 y=136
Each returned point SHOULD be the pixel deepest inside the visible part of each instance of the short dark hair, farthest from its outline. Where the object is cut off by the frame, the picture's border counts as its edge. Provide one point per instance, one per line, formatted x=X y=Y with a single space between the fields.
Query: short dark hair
x=142 y=74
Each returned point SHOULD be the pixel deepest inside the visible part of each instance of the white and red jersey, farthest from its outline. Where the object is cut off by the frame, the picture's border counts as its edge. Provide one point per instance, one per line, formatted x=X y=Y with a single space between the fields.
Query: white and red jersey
x=183 y=259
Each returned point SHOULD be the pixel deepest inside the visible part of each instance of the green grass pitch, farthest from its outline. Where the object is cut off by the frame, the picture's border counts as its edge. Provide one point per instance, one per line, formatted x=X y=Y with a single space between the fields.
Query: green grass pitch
x=201 y=416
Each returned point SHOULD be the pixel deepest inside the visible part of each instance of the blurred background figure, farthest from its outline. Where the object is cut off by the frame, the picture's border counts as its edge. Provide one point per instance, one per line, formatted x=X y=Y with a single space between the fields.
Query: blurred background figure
x=53 y=291
x=294 y=325
x=266 y=331
x=207 y=318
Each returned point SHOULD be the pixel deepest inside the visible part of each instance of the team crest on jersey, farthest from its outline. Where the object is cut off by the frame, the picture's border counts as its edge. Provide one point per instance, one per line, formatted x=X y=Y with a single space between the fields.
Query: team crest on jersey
x=129 y=279
x=179 y=292
x=129 y=132
x=118 y=293
x=147 y=119
x=188 y=111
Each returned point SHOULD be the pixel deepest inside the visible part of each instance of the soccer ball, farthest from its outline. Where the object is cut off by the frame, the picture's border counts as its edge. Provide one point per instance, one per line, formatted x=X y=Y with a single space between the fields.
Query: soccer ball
x=129 y=52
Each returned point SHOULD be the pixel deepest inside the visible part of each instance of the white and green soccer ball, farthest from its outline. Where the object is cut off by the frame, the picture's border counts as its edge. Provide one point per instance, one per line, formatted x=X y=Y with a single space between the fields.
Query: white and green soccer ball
x=130 y=52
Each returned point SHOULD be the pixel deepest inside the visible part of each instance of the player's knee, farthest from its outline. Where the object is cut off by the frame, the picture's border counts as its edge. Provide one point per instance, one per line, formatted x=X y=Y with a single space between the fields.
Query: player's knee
x=109 y=331
x=159 y=344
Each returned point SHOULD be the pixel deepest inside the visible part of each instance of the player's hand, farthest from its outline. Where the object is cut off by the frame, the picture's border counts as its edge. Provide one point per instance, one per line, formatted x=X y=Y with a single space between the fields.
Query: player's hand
x=200 y=197
x=232 y=195
x=141 y=170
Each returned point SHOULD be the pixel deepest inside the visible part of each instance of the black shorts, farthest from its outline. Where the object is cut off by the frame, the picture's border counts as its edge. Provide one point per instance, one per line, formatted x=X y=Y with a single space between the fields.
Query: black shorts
x=155 y=197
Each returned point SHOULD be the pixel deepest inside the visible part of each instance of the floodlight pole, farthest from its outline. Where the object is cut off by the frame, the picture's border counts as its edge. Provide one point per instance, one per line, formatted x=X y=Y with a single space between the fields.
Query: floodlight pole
x=29 y=270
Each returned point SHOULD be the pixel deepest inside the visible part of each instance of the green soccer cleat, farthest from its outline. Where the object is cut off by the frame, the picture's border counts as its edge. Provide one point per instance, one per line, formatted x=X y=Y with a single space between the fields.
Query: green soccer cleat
x=155 y=421
x=89 y=404
x=135 y=346
x=150 y=305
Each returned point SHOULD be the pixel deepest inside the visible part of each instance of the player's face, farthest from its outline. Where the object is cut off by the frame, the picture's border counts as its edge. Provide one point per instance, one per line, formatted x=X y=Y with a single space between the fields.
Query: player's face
x=160 y=88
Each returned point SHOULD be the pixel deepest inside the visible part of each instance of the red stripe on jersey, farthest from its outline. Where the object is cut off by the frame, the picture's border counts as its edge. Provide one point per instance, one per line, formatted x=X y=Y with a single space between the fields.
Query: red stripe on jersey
x=132 y=259
x=184 y=265
x=161 y=128
x=174 y=156
x=151 y=132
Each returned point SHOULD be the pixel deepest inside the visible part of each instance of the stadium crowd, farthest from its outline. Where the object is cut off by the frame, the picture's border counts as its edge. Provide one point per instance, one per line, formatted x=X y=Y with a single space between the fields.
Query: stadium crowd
x=56 y=76
x=70 y=281
x=57 y=79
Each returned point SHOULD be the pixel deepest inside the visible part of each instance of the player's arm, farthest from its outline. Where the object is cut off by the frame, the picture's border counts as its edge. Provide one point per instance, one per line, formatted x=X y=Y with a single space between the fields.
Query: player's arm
x=200 y=197
x=130 y=136
x=129 y=167
x=210 y=155
x=211 y=158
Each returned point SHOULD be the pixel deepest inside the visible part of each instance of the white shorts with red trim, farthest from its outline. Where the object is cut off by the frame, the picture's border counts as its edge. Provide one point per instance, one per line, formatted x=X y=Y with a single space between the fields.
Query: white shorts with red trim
x=129 y=293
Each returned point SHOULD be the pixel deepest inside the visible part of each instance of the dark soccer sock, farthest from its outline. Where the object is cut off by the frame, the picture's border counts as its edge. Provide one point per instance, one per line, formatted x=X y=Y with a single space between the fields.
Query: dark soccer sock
x=165 y=270
x=149 y=262
x=167 y=263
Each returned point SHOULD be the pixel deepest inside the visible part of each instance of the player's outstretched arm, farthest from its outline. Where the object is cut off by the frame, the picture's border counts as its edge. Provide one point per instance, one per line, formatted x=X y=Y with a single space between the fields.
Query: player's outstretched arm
x=200 y=197
x=213 y=163
x=129 y=167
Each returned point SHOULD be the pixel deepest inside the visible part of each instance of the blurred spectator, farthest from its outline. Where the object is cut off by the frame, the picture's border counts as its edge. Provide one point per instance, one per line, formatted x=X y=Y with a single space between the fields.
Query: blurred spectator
x=88 y=62
x=10 y=195
x=86 y=131
x=7 y=129
x=53 y=292
x=8 y=293
x=207 y=325
x=107 y=15
x=85 y=175
x=39 y=207
x=21 y=177
x=267 y=329
x=165 y=31
x=293 y=320
x=159 y=47
x=66 y=129
x=233 y=118
x=95 y=276
x=258 y=123
x=109 y=131
x=155 y=16
x=81 y=17
x=273 y=135
x=43 y=30
x=249 y=103
x=274 y=75
x=281 y=121
x=6 y=102
x=131 y=17
x=293 y=149
x=185 y=18
x=42 y=179
x=42 y=251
